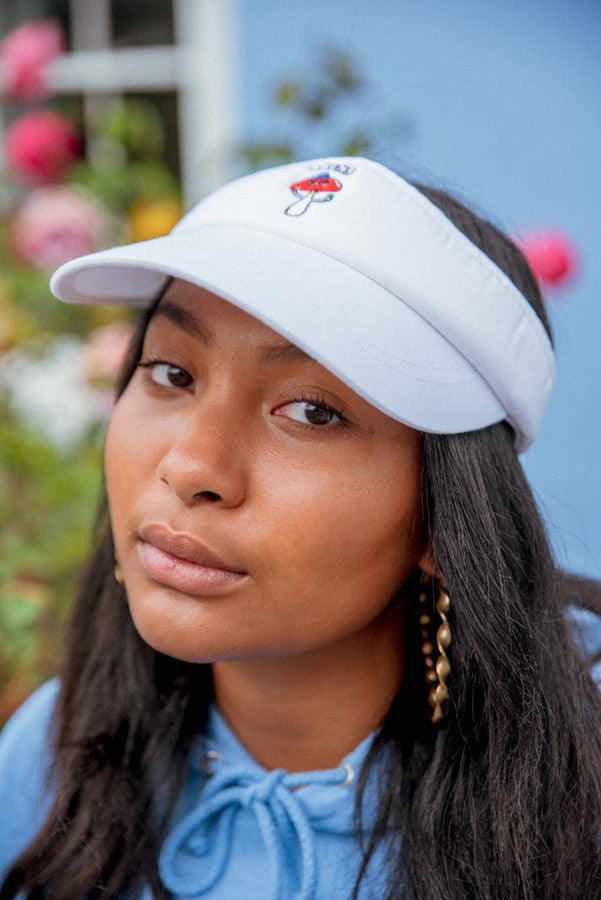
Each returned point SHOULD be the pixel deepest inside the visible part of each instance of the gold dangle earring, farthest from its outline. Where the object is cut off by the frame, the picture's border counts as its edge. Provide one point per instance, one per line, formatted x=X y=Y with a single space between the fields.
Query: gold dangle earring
x=118 y=573
x=436 y=675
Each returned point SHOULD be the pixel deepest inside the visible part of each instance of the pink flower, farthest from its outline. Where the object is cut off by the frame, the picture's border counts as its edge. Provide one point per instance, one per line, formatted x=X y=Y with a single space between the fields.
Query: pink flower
x=550 y=254
x=41 y=146
x=25 y=54
x=56 y=224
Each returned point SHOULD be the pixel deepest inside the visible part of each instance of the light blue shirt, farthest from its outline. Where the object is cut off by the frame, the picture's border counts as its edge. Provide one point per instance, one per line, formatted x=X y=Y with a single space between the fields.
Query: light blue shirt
x=239 y=830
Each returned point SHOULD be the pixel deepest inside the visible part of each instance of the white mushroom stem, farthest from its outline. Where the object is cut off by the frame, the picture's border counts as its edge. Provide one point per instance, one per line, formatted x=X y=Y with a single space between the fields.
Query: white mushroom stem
x=301 y=204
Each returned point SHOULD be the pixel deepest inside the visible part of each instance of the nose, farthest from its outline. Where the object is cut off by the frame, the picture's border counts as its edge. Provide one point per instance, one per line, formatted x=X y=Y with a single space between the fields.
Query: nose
x=206 y=455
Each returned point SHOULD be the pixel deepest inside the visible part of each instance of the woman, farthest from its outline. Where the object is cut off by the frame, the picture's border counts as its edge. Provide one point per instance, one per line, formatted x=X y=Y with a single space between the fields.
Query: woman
x=321 y=647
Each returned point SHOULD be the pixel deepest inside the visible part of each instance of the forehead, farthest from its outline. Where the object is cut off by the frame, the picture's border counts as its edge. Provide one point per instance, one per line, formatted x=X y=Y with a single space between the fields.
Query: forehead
x=214 y=310
x=204 y=314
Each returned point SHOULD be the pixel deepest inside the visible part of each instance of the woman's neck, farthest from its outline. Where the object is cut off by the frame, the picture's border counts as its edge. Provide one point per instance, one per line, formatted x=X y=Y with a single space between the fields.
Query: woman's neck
x=309 y=711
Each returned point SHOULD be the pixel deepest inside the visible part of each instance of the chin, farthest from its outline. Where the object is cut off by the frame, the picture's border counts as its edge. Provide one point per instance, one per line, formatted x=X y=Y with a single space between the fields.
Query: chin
x=170 y=644
x=169 y=627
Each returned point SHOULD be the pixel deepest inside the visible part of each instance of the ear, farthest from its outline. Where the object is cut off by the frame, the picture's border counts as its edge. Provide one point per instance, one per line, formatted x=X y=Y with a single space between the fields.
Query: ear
x=427 y=564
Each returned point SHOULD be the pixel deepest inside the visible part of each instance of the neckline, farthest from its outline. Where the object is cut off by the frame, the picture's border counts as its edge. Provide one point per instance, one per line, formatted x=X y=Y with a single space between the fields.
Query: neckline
x=219 y=738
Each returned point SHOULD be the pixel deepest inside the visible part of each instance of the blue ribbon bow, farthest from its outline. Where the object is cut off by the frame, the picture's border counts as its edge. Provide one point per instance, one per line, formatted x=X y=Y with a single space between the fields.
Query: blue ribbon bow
x=232 y=787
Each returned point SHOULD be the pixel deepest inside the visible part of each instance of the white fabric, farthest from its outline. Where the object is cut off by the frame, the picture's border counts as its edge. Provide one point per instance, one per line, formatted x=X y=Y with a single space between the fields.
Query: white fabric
x=366 y=275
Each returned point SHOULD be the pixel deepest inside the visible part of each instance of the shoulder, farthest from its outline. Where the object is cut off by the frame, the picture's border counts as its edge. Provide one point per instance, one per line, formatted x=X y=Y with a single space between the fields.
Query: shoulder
x=24 y=762
x=585 y=626
x=29 y=721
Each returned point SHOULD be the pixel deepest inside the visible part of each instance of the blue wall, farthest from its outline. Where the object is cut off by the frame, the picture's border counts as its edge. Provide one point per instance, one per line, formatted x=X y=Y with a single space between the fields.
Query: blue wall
x=505 y=100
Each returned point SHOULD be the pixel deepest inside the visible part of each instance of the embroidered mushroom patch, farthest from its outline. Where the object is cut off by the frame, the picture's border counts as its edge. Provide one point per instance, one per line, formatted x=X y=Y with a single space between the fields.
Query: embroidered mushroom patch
x=318 y=188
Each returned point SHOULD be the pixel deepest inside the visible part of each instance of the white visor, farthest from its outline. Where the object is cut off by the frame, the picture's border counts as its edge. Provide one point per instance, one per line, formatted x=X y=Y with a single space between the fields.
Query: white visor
x=354 y=265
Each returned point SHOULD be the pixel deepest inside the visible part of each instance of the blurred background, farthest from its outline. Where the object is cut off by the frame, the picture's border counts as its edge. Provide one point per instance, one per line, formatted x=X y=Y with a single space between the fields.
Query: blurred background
x=117 y=115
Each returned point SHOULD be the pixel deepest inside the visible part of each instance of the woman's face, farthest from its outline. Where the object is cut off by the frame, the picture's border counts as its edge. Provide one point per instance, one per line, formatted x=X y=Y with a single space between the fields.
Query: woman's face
x=324 y=520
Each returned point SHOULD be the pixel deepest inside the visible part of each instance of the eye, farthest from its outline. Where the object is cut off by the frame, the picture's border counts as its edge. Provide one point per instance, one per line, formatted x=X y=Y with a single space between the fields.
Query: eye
x=319 y=412
x=151 y=363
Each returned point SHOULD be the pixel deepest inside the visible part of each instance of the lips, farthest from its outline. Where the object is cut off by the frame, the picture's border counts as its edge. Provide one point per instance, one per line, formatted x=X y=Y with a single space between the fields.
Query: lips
x=185 y=547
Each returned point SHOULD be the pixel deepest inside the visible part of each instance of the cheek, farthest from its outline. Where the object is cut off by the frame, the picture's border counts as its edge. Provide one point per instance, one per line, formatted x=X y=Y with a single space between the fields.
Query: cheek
x=132 y=432
x=342 y=534
x=129 y=449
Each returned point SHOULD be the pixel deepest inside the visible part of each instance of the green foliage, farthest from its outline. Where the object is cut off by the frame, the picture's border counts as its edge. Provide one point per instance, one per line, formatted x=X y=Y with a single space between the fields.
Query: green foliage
x=117 y=186
x=48 y=494
x=330 y=90
x=136 y=126
x=48 y=499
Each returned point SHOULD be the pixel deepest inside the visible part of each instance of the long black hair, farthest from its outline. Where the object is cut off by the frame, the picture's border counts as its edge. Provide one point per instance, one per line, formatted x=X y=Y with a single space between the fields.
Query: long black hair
x=501 y=800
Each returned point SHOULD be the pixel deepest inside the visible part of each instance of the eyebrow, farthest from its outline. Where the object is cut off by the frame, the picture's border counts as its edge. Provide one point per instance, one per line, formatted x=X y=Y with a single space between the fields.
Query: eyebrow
x=194 y=326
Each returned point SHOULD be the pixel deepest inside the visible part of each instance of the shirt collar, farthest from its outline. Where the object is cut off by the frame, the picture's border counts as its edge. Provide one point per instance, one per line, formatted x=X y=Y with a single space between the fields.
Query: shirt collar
x=325 y=799
x=308 y=802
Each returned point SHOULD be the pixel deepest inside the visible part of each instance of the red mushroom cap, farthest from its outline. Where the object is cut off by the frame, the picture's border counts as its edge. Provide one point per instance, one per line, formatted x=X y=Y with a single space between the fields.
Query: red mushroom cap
x=321 y=182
